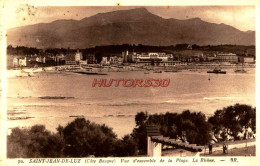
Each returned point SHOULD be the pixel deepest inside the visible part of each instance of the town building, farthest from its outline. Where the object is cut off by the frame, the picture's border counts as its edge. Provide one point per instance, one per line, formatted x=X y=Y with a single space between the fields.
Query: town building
x=78 y=56
x=153 y=56
x=246 y=59
x=116 y=60
x=20 y=61
x=15 y=62
x=249 y=60
x=91 y=59
x=227 y=57
x=23 y=62
x=83 y=62
x=125 y=55
x=49 y=61
x=105 y=61
x=60 y=59
x=70 y=59
x=73 y=58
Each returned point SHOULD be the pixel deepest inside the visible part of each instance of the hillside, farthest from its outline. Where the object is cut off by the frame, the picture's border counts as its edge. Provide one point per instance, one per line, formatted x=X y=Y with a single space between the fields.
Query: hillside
x=135 y=26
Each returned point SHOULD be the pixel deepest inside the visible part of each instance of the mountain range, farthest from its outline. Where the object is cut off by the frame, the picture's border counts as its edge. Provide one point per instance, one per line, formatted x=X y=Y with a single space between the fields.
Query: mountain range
x=135 y=26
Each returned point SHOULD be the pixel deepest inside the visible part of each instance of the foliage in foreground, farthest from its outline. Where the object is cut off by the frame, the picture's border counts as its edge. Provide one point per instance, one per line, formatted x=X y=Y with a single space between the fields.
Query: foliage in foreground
x=233 y=120
x=80 y=138
x=195 y=128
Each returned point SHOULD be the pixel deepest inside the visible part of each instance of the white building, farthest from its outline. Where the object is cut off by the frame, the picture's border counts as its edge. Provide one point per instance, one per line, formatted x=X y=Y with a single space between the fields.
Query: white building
x=105 y=61
x=248 y=60
x=78 y=56
x=40 y=59
x=159 y=56
x=227 y=57
x=83 y=62
x=19 y=62
x=114 y=60
x=15 y=62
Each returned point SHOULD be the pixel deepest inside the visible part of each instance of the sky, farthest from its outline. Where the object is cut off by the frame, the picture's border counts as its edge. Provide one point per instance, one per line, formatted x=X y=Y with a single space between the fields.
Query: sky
x=240 y=17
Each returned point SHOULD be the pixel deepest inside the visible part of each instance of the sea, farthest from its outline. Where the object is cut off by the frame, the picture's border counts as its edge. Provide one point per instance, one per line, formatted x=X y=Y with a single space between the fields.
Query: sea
x=54 y=98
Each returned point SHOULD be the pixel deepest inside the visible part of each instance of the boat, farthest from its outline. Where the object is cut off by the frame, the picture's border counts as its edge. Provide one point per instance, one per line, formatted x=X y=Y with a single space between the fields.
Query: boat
x=240 y=71
x=217 y=71
x=146 y=72
x=55 y=97
x=90 y=73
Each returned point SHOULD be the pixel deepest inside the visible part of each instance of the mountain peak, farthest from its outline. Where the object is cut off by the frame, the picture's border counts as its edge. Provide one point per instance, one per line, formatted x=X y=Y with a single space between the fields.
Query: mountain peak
x=136 y=11
x=195 y=19
x=130 y=14
x=141 y=9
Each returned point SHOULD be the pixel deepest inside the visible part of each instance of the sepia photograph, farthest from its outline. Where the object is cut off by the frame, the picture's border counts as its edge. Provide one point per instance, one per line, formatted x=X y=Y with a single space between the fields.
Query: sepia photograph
x=131 y=81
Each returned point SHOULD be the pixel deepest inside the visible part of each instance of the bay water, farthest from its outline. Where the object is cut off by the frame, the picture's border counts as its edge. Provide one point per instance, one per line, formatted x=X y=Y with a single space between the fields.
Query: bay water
x=117 y=106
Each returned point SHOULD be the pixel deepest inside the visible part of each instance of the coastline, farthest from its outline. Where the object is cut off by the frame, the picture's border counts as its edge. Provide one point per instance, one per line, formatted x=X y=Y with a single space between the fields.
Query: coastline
x=140 y=67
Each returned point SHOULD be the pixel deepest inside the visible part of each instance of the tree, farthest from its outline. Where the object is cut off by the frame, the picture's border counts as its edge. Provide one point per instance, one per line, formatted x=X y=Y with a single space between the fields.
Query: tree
x=83 y=138
x=80 y=138
x=17 y=143
x=232 y=120
x=38 y=140
x=140 y=118
x=99 y=56
x=126 y=147
x=139 y=132
x=33 y=142
x=140 y=136
x=193 y=127
x=54 y=147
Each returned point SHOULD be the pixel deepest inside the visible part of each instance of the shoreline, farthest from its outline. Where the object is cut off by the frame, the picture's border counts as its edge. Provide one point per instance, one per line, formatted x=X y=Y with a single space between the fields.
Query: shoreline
x=138 y=67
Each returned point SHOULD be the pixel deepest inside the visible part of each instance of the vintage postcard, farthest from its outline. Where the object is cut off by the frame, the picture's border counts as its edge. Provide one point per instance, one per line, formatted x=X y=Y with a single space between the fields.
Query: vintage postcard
x=118 y=83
